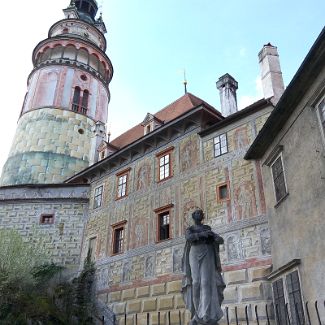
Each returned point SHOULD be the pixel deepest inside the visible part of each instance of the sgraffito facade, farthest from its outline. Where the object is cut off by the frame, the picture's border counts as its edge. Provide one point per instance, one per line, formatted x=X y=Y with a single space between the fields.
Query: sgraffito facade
x=145 y=274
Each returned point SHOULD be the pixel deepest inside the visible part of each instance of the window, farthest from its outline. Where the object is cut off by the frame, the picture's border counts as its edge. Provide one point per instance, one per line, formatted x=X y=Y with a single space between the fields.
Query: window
x=279 y=302
x=287 y=300
x=165 y=164
x=84 y=104
x=163 y=222
x=279 y=182
x=163 y=226
x=92 y=248
x=76 y=99
x=220 y=145
x=122 y=183
x=47 y=219
x=98 y=197
x=223 y=192
x=80 y=103
x=118 y=237
x=164 y=167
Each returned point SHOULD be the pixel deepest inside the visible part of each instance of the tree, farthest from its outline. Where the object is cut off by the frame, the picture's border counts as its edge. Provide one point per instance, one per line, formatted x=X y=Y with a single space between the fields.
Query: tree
x=32 y=290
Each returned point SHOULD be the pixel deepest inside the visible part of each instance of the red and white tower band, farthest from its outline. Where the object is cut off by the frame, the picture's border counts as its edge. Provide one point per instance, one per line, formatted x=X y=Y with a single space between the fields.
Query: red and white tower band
x=64 y=113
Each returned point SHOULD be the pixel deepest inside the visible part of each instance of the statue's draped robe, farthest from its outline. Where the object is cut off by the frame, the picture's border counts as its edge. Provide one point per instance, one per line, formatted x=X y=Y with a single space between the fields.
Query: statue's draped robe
x=202 y=284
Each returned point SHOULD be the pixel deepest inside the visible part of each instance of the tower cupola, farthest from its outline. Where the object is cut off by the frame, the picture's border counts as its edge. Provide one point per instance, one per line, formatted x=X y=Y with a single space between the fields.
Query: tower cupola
x=87 y=9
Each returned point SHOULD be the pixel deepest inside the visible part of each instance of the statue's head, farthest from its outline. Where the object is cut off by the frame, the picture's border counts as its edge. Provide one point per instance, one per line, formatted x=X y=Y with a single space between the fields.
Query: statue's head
x=198 y=216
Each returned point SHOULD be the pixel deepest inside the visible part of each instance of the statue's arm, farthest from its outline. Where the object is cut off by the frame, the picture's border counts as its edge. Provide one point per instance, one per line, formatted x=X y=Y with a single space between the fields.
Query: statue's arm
x=218 y=239
x=191 y=236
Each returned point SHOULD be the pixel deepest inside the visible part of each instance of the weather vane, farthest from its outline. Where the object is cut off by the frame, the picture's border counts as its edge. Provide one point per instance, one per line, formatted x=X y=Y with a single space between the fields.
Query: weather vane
x=185 y=82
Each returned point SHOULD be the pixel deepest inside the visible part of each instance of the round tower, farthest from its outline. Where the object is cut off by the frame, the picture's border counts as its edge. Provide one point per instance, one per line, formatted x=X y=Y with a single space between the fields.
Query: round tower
x=66 y=102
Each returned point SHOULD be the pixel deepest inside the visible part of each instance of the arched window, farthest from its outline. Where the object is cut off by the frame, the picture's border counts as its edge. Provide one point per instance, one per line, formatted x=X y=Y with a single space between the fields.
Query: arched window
x=76 y=99
x=84 y=104
x=80 y=104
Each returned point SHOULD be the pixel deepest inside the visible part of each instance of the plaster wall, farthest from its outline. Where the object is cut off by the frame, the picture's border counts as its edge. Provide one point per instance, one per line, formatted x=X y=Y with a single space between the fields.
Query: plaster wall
x=297 y=223
x=79 y=28
x=54 y=87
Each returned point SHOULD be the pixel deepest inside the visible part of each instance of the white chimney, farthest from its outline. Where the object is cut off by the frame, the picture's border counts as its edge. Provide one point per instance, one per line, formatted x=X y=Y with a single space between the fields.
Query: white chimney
x=271 y=75
x=227 y=86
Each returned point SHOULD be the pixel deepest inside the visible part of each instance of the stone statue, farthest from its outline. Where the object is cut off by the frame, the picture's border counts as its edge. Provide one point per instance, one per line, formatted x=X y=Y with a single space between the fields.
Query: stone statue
x=202 y=284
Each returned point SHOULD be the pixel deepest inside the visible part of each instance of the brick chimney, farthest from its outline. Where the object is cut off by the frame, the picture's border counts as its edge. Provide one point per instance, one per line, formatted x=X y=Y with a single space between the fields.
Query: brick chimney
x=227 y=86
x=271 y=75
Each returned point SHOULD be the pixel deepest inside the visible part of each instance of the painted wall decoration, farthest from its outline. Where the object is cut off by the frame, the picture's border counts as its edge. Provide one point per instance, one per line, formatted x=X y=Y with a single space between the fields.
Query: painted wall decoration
x=127 y=271
x=177 y=259
x=241 y=138
x=245 y=200
x=188 y=154
x=143 y=177
x=149 y=266
x=233 y=247
x=265 y=241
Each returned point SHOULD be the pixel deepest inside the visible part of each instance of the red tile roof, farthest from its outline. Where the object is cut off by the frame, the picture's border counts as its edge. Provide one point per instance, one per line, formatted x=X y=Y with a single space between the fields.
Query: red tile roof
x=170 y=112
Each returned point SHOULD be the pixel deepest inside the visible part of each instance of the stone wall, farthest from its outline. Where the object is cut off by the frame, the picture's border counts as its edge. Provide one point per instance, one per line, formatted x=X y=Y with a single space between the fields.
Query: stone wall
x=139 y=280
x=21 y=209
x=49 y=146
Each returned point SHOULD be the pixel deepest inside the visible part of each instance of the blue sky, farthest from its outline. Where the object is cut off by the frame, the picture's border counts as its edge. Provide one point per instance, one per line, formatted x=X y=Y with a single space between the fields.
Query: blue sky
x=150 y=42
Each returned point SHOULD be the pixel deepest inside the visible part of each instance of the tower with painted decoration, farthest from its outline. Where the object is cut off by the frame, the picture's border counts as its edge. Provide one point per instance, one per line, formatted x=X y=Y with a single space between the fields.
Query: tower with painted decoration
x=63 y=116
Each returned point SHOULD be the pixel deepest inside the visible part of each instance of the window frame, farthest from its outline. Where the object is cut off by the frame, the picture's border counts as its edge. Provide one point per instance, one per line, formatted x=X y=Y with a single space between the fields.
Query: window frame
x=80 y=100
x=220 y=145
x=161 y=213
x=123 y=185
x=218 y=187
x=117 y=227
x=280 y=199
x=44 y=216
x=159 y=156
x=286 y=307
x=95 y=206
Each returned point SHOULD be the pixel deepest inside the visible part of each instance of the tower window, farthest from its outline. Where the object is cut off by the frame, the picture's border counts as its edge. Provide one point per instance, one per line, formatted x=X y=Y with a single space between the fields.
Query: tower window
x=80 y=103
x=84 y=105
x=76 y=99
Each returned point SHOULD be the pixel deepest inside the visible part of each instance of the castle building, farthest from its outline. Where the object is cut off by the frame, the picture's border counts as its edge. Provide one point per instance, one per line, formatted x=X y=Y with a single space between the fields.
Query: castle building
x=128 y=201
x=63 y=117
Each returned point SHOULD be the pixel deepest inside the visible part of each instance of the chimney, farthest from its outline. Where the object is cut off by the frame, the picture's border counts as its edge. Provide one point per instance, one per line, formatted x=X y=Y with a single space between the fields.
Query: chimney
x=227 y=86
x=271 y=74
x=98 y=135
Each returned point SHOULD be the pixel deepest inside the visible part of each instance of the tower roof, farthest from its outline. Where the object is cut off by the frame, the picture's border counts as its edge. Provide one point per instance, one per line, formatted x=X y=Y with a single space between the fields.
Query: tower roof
x=87 y=9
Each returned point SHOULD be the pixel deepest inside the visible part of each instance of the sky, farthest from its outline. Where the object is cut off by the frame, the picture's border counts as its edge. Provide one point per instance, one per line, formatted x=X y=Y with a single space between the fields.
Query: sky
x=151 y=42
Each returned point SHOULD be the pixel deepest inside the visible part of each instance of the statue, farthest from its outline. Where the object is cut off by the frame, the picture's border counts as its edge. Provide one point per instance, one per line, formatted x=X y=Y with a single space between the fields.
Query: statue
x=202 y=284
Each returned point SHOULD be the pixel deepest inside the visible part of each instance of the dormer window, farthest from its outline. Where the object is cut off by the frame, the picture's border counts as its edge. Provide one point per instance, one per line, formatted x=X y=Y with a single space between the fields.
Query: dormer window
x=150 y=123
